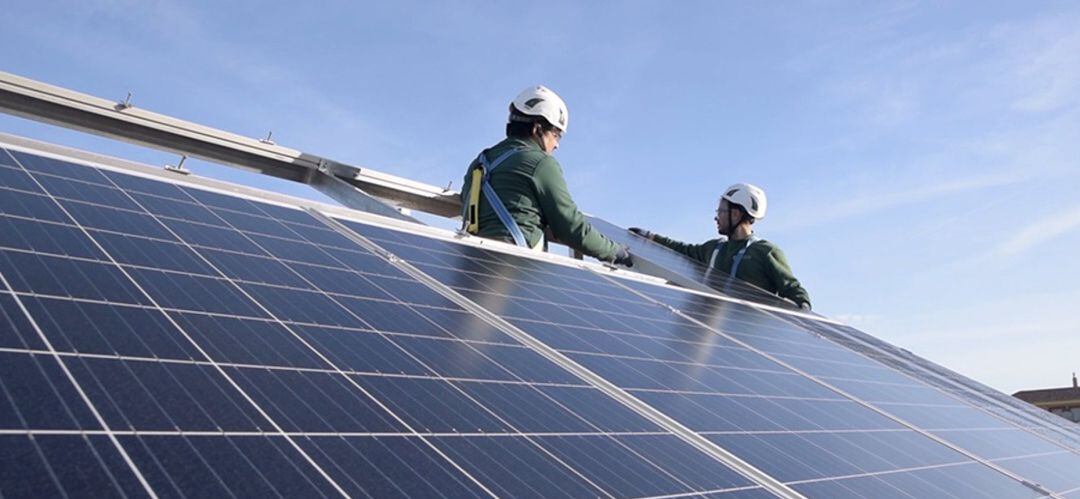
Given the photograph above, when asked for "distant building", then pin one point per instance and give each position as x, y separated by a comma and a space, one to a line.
1064, 402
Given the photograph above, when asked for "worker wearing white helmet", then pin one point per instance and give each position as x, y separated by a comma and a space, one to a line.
515, 191
741, 253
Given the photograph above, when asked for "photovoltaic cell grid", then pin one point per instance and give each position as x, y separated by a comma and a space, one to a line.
799, 431
191, 343
301, 351
976, 426
1001, 405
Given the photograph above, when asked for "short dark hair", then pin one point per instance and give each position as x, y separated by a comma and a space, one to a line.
521, 124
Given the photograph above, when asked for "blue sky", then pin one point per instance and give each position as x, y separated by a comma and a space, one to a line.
922, 159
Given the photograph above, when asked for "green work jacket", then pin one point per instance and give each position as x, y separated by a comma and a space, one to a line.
531, 186
763, 265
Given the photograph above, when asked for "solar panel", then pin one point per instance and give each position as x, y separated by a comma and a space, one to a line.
166, 337
190, 332
715, 380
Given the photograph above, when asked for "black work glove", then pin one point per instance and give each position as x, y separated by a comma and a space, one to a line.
642, 232
622, 257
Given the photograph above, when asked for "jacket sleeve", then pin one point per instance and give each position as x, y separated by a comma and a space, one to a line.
562, 216
784, 280
700, 252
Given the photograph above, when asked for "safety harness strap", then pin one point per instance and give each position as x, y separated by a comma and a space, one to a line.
481, 178
740, 254
734, 265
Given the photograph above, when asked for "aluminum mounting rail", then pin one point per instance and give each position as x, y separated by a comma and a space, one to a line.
352, 186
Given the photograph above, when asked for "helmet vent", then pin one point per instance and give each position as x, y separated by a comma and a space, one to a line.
531, 103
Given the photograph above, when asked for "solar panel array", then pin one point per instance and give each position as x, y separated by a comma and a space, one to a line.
161, 338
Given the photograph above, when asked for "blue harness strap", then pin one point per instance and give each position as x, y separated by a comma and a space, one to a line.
740, 254
493, 198
734, 264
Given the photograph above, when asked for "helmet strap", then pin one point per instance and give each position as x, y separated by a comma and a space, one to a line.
733, 225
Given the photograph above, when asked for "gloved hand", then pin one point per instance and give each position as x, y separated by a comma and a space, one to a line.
622, 257
642, 232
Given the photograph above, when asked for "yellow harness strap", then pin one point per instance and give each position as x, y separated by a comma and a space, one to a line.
472, 209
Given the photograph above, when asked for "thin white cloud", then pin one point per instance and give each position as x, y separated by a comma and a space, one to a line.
871, 202
1040, 232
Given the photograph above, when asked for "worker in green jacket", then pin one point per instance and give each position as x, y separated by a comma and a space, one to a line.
515, 189
742, 254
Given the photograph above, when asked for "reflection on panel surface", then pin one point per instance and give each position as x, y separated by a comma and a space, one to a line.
747, 379
208, 345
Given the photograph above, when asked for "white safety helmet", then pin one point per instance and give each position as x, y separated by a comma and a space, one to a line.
750, 197
541, 101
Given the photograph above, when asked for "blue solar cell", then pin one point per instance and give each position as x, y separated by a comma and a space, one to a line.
285, 214
622, 472
122, 221
453, 359
513, 467
313, 401
388, 467
463, 325
1055, 471
527, 409
152, 395
29, 205
410, 291
205, 466
857, 453
177, 208
330, 239
247, 341
16, 178
35, 273
86, 192
134, 184
142, 252
393, 317
962, 480
337, 281
432, 405
308, 307
15, 330
32, 235
64, 465
254, 224
108, 329
189, 292
742, 493
360, 351
212, 237
243, 267
527, 364
287, 249
670, 453
216, 200
599, 409
37, 395
42, 164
